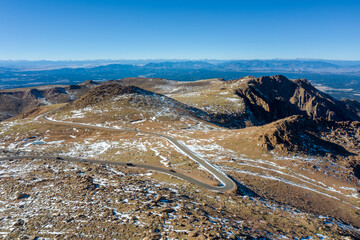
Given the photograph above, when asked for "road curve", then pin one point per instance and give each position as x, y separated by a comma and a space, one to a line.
123, 164
227, 184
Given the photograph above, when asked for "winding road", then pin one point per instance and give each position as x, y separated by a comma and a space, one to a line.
226, 183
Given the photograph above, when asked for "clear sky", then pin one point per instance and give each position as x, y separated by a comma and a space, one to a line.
183, 29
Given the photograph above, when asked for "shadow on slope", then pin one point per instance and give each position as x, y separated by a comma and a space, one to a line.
299, 134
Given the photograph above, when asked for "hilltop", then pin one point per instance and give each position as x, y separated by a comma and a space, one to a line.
130, 104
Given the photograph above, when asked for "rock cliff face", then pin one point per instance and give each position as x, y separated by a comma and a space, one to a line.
276, 97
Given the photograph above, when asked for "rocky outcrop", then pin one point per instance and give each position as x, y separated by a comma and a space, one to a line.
352, 105
302, 135
88, 82
276, 97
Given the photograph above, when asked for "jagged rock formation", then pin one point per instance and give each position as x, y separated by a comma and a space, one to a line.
276, 97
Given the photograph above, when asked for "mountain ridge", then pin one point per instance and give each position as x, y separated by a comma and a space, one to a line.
260, 100
275, 97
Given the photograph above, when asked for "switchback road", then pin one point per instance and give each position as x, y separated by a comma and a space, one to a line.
226, 183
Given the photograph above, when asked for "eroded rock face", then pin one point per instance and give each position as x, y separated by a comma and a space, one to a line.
305, 135
276, 97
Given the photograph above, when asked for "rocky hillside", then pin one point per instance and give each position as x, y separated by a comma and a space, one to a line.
302, 134
253, 101
276, 97
136, 103
239, 103
15, 101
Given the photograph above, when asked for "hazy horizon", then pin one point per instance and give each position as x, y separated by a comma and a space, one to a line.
185, 59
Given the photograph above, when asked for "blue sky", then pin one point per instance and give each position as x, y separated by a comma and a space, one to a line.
183, 29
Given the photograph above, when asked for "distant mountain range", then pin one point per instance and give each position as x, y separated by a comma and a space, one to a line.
341, 79
272, 64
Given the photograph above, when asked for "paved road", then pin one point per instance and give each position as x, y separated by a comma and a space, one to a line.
227, 184
124, 164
